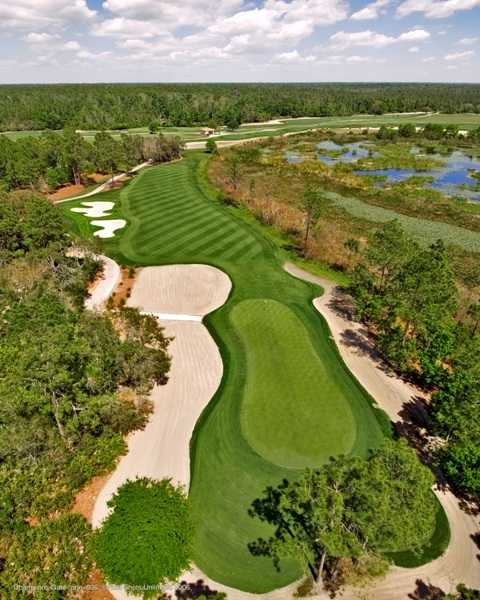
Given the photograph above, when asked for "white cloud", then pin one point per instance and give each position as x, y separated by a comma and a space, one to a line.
126, 28
429, 59
170, 14
357, 59
36, 14
52, 42
343, 40
87, 55
414, 49
373, 39
40, 38
371, 11
72, 45
469, 41
414, 35
460, 55
232, 25
435, 9
293, 56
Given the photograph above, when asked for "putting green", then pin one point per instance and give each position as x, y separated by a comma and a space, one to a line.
282, 376
289, 388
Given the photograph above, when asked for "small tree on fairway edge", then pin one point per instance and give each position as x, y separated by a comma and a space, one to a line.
211, 146
146, 542
349, 508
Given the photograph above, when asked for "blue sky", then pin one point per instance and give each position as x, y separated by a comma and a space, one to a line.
239, 40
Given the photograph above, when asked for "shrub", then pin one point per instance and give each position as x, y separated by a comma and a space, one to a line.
53, 553
147, 540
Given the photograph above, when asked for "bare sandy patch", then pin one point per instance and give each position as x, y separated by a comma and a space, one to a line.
66, 191
87, 496
104, 285
162, 449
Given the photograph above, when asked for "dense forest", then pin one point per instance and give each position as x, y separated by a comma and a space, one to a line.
54, 159
73, 383
117, 106
407, 294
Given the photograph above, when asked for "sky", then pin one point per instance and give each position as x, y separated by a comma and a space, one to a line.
54, 41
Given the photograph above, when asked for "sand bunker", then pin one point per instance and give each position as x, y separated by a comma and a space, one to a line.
94, 209
108, 227
193, 290
162, 449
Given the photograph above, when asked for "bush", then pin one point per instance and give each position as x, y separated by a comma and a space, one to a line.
147, 540
53, 553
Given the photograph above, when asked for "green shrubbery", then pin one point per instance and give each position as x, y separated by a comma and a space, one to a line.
147, 540
349, 508
64, 375
48, 560
409, 295
54, 159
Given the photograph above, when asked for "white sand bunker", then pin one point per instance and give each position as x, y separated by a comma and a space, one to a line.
180, 290
94, 209
108, 227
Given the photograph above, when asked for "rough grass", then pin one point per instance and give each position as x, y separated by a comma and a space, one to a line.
173, 217
424, 231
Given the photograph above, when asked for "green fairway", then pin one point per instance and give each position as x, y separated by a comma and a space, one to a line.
286, 399
189, 134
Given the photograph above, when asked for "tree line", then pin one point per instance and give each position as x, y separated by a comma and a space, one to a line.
71, 388
407, 294
431, 131
53, 159
117, 106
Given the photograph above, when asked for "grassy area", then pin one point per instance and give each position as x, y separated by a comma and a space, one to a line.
424, 231
438, 544
274, 410
291, 390
185, 133
463, 121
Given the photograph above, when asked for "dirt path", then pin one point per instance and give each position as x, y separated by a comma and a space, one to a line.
459, 564
104, 186
105, 285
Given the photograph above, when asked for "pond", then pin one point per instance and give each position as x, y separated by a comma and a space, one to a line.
293, 157
456, 172
345, 153
452, 178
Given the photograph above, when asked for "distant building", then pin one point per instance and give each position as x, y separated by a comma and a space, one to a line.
208, 131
